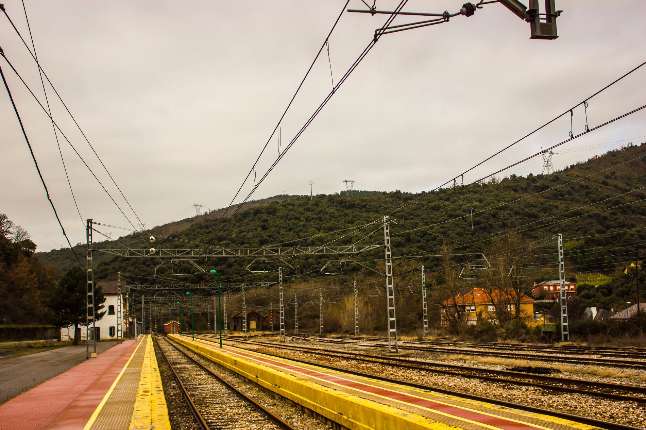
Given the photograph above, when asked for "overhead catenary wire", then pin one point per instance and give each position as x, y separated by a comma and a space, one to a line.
72, 116
525, 159
289, 104
320, 107
35, 97
33, 157
529, 134
515, 201
49, 110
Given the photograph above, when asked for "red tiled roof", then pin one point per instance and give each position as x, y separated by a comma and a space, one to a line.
479, 296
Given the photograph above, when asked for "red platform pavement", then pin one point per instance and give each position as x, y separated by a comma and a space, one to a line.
67, 400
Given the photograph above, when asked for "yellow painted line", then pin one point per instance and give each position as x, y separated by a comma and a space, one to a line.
346, 409
150, 410
435, 397
105, 398
391, 386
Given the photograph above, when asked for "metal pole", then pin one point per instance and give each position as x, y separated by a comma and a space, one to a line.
295, 315
119, 315
192, 317
90, 314
271, 315
424, 305
244, 311
320, 312
221, 323
565, 332
215, 317
225, 320
639, 321
143, 319
281, 303
390, 289
356, 307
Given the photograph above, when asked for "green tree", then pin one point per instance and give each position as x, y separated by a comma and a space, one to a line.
68, 302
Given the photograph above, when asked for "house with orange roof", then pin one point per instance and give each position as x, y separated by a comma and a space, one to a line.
479, 304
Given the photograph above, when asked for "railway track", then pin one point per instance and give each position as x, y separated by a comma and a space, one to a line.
215, 403
605, 390
611, 356
589, 361
582, 419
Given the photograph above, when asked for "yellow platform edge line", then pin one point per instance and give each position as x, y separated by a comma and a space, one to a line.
150, 409
345, 409
437, 397
99, 408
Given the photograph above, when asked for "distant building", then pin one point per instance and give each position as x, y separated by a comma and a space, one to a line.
548, 291
106, 327
629, 313
476, 305
255, 321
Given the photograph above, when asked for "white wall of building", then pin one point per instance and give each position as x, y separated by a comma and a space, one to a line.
107, 324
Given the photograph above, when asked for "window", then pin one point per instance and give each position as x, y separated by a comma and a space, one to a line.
112, 331
491, 308
111, 310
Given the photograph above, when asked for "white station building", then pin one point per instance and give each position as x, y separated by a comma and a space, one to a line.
106, 327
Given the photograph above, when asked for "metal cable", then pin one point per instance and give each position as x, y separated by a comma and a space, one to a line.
298, 88
49, 110
536, 130
345, 76
33, 157
60, 98
65, 136
512, 202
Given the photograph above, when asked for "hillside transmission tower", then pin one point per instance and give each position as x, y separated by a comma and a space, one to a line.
547, 162
349, 184
198, 208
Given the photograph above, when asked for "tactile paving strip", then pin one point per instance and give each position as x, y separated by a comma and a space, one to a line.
117, 411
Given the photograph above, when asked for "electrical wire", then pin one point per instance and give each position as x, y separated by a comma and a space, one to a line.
60, 98
298, 88
33, 157
316, 112
49, 110
534, 131
525, 160
2, 54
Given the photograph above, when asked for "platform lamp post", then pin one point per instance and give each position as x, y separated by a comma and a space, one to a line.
220, 317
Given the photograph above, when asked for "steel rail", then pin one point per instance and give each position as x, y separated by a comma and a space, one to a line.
577, 418
505, 376
196, 413
270, 414
606, 362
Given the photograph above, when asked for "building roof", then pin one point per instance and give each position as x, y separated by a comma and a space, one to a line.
479, 296
109, 287
554, 282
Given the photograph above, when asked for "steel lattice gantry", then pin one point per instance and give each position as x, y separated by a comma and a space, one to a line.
222, 252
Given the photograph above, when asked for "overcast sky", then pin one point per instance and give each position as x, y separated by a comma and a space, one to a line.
179, 97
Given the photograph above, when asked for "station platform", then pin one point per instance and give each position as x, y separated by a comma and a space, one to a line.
363, 403
120, 389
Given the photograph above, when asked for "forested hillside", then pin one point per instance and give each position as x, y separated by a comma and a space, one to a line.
597, 205
507, 225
